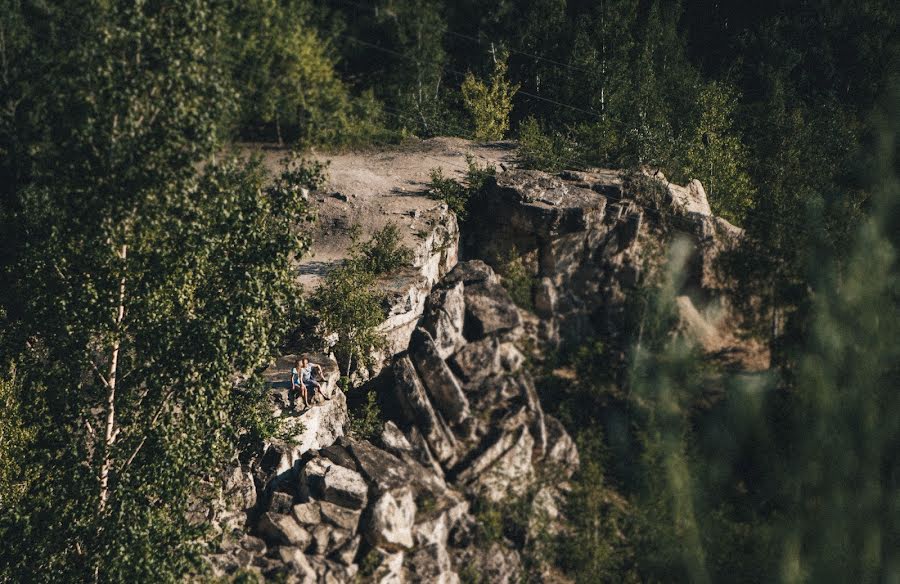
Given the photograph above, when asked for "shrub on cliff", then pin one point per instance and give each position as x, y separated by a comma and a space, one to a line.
383, 253
548, 151
490, 103
458, 194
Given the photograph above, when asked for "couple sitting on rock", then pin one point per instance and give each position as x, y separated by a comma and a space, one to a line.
303, 378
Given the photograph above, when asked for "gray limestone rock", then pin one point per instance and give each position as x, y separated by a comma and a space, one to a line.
390, 521
489, 310
439, 381
477, 360
283, 529
312, 478
308, 514
344, 487
346, 554
281, 503
300, 568
418, 410
445, 312
338, 516
561, 453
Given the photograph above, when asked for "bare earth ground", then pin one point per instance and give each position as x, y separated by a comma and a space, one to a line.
373, 188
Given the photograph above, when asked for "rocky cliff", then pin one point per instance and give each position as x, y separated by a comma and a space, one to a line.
467, 431
326, 507
589, 239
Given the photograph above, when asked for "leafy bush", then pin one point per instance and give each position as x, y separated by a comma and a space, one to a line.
490, 104
349, 306
366, 420
541, 151
517, 280
448, 190
477, 176
15, 438
646, 190
458, 194
383, 253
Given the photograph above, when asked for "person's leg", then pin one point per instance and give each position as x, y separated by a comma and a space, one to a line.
292, 396
319, 387
314, 387
305, 398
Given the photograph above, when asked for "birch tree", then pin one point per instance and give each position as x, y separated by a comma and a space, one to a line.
152, 279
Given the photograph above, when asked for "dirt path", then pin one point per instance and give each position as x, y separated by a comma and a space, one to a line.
374, 188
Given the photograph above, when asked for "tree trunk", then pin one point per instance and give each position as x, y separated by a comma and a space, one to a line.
111, 430
278, 129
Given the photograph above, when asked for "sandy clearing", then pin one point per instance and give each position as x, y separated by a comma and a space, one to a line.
375, 187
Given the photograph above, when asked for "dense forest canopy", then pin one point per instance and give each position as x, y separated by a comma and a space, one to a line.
130, 242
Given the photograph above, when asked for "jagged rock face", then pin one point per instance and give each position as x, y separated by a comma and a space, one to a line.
588, 242
477, 409
471, 429
407, 291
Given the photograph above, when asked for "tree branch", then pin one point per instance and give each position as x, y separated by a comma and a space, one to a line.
111, 430
153, 421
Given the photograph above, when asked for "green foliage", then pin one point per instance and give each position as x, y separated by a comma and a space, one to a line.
648, 191
15, 440
348, 304
716, 155
596, 549
251, 415
383, 253
156, 277
491, 523
285, 75
369, 564
490, 104
448, 190
542, 151
517, 279
366, 421
767, 485
469, 574
410, 68
458, 194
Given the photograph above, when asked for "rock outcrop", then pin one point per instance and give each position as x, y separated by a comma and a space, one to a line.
467, 429
470, 432
589, 238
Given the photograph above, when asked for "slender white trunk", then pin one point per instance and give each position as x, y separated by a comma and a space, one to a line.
111, 430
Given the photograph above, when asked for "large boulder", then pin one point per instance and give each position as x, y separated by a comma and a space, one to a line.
344, 487
489, 310
283, 530
446, 308
308, 514
342, 517
391, 519
417, 410
477, 360
505, 469
442, 385
561, 454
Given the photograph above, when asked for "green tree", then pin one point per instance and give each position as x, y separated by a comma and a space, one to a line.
349, 306
490, 103
284, 72
383, 253
15, 441
716, 155
155, 278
